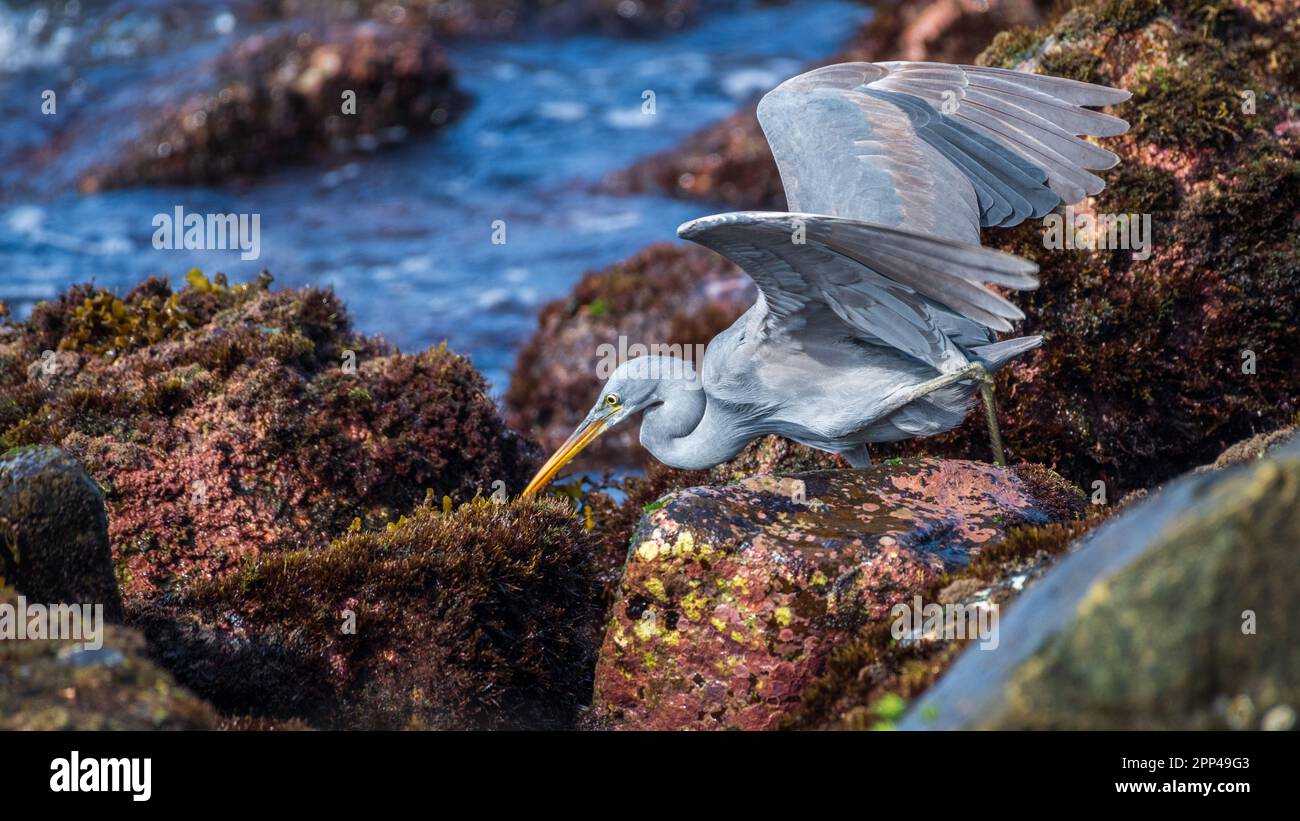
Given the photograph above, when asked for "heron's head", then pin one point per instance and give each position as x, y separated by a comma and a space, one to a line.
633, 387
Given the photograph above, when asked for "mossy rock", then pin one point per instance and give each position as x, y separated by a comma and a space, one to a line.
225, 420
60, 685
1178, 614
485, 616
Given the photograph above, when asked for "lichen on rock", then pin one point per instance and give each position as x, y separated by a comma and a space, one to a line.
734, 596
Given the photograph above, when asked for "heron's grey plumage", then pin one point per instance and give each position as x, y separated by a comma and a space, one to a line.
873, 316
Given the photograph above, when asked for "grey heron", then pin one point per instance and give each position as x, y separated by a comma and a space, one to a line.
873, 320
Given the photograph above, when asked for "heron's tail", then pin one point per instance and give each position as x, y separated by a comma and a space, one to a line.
1000, 353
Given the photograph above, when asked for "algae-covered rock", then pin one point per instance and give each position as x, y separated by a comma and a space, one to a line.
283, 98
227, 421
1256, 447
734, 596
62, 685
1177, 614
1152, 366
485, 616
53, 531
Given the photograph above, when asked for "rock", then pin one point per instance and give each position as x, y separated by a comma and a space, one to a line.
53, 685
484, 617
615, 514
1177, 614
666, 295
228, 421
53, 531
734, 596
279, 100
1256, 447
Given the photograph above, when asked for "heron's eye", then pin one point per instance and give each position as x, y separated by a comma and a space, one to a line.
611, 399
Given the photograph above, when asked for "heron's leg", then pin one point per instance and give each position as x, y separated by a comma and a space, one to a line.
991, 411
979, 373
858, 457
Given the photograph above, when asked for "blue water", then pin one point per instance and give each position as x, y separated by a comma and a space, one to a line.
405, 234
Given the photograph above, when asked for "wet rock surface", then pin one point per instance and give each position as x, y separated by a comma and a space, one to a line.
54, 532
733, 597
1177, 614
279, 99
61, 685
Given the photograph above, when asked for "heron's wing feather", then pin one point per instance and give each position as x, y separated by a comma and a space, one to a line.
884, 284
1039, 118
936, 148
847, 152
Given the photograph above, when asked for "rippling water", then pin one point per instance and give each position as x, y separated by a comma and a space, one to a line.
404, 235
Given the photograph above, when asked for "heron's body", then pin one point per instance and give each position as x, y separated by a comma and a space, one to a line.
873, 321
836, 393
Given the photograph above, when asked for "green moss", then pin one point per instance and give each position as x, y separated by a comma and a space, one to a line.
1133, 188
597, 308
1075, 63
484, 617
101, 323
1010, 48
1194, 100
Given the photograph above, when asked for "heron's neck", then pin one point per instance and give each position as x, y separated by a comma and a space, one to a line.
681, 432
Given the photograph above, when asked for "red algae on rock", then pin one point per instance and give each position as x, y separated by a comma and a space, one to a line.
283, 98
734, 596
486, 616
257, 423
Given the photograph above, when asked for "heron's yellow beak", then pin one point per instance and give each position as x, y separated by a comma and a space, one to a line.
583, 436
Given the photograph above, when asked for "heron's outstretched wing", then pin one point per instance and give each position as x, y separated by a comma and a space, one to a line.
885, 284
936, 148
